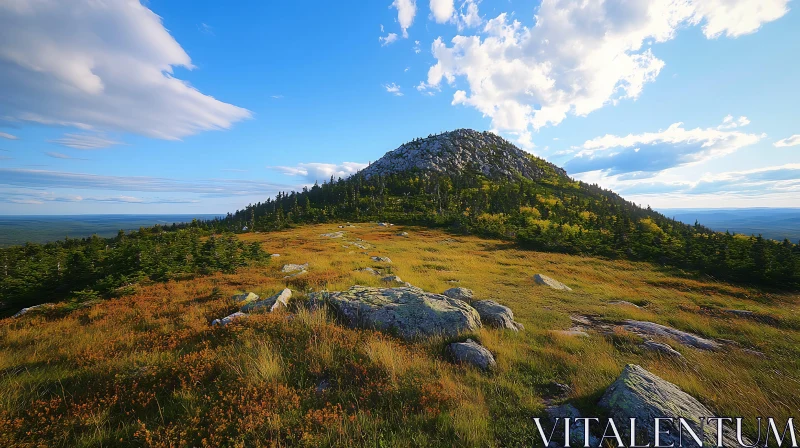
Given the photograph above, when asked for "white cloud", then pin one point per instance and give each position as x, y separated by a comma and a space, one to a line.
442, 10
577, 57
416, 47
101, 65
58, 155
406, 10
393, 88
85, 141
389, 39
319, 172
8, 136
652, 152
731, 123
469, 17
789, 141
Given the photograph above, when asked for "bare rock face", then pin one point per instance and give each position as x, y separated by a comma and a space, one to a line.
460, 150
495, 315
271, 304
228, 319
654, 329
639, 394
471, 352
547, 281
460, 294
407, 311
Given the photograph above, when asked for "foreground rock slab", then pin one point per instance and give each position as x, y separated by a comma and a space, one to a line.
279, 300
640, 394
654, 329
495, 315
471, 352
547, 281
407, 311
228, 319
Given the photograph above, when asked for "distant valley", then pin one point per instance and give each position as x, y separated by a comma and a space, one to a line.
773, 223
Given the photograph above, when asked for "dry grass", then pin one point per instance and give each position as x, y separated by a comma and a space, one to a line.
149, 370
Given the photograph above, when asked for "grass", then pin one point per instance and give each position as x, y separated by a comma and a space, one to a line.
149, 370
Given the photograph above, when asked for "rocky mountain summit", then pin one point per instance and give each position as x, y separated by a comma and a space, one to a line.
462, 149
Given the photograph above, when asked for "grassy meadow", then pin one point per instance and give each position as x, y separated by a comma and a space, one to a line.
149, 370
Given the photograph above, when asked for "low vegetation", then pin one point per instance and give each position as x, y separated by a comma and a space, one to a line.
147, 368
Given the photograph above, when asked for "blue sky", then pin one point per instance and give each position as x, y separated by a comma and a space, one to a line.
204, 107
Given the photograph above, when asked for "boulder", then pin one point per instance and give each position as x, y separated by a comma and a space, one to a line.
25, 311
547, 281
381, 259
460, 294
403, 234
271, 304
577, 429
408, 312
495, 315
654, 329
242, 299
369, 270
288, 268
472, 353
640, 394
275, 255
228, 319
664, 349
392, 279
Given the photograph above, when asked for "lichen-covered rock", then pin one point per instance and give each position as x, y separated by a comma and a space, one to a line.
654, 329
471, 352
664, 349
25, 311
456, 151
288, 268
242, 299
577, 429
271, 304
382, 259
228, 319
547, 281
460, 294
495, 315
644, 396
407, 311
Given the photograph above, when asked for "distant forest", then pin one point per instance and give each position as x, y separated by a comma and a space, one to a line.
554, 214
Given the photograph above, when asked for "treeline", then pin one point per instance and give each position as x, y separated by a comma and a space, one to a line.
553, 214
83, 269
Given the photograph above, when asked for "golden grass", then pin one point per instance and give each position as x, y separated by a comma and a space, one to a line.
149, 370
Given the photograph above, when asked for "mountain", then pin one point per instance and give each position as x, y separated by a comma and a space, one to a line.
463, 149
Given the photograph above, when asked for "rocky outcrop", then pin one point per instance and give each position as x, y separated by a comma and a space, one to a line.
472, 353
663, 349
577, 429
406, 311
228, 319
242, 299
654, 329
460, 150
25, 311
495, 315
369, 270
547, 281
279, 300
640, 394
339, 234
460, 294
289, 268
381, 259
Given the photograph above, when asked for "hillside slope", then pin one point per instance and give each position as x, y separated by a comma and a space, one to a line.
148, 369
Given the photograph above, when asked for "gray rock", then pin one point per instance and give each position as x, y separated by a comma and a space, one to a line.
275, 255
741, 313
382, 259
460, 294
339, 234
661, 348
654, 329
392, 279
228, 319
369, 270
624, 303
409, 312
25, 311
245, 298
404, 234
472, 353
495, 315
383, 224
577, 429
288, 268
271, 304
639, 394
547, 281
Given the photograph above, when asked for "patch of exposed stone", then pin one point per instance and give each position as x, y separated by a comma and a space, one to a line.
460, 294
496, 316
339, 234
547, 281
228, 319
279, 300
651, 329
42, 306
470, 352
624, 303
381, 259
661, 348
294, 270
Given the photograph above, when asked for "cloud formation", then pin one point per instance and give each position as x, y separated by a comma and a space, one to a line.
442, 10
319, 172
8, 136
116, 73
789, 141
406, 10
58, 155
393, 88
578, 56
85, 141
389, 39
652, 152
